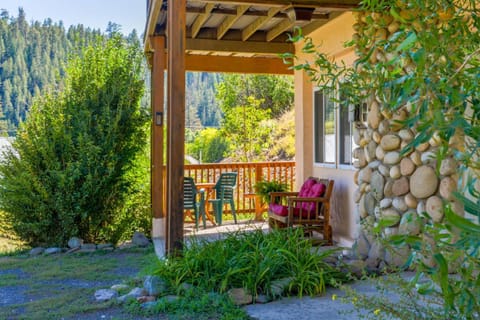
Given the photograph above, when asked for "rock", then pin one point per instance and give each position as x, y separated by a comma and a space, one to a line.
384, 170
362, 162
392, 157
75, 242
365, 174
434, 207
357, 195
139, 239
277, 287
103, 295
355, 177
362, 209
369, 150
395, 172
384, 127
411, 201
119, 287
428, 157
390, 142
421, 208
407, 167
397, 256
387, 191
410, 224
377, 185
377, 137
385, 203
379, 153
435, 140
374, 117
154, 285
361, 247
374, 164
53, 250
399, 204
400, 187
423, 182
149, 305
36, 251
133, 294
376, 253
370, 203
240, 296
357, 267
397, 119
390, 217
447, 186
390, 231
406, 135
423, 147
88, 247
144, 299
262, 299
448, 167
72, 250
105, 246
356, 135
416, 158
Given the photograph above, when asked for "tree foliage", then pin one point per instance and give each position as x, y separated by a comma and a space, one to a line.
68, 172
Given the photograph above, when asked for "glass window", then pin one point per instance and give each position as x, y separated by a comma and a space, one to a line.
324, 127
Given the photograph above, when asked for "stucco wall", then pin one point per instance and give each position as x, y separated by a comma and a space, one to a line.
331, 37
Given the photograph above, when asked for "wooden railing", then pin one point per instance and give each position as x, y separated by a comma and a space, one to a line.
248, 175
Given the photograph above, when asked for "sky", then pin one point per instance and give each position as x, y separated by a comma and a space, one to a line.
130, 14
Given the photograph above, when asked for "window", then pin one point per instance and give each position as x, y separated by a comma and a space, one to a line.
324, 128
334, 125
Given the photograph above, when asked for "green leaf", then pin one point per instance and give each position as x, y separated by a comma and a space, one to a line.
460, 222
408, 43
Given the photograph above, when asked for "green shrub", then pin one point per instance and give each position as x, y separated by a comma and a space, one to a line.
68, 173
263, 188
253, 260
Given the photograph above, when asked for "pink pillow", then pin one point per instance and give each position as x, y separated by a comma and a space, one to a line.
307, 185
278, 209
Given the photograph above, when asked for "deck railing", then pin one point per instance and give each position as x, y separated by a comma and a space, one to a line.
248, 175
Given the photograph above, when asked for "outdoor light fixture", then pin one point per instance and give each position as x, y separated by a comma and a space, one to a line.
159, 118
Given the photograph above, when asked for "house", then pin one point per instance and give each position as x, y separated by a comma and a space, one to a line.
359, 149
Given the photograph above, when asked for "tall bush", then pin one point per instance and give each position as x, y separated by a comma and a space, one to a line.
67, 174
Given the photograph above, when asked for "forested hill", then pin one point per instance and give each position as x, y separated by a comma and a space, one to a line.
33, 56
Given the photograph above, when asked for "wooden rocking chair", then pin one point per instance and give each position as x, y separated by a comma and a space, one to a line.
309, 208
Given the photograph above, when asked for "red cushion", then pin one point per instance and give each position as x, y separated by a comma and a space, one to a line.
304, 190
278, 209
316, 190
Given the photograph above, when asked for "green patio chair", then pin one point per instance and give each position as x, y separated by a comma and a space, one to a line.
194, 200
224, 194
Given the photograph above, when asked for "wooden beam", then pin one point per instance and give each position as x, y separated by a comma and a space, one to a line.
176, 31
156, 157
279, 29
258, 23
201, 19
327, 4
229, 21
239, 46
154, 10
255, 65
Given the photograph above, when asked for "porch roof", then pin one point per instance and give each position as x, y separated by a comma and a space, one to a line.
223, 33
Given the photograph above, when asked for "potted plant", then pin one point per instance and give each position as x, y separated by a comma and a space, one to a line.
263, 188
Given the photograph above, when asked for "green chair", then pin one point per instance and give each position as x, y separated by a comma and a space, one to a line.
194, 200
224, 194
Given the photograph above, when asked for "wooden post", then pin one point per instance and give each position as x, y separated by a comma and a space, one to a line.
157, 128
176, 38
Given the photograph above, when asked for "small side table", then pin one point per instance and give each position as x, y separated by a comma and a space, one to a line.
259, 205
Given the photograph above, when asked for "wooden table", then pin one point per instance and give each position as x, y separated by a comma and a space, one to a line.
209, 190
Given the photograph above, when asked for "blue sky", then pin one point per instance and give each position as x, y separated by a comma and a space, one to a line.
130, 14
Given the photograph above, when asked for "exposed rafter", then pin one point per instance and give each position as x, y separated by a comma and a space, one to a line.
263, 48
279, 29
330, 4
258, 23
229, 21
201, 19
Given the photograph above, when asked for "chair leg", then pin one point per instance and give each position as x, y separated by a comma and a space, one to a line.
232, 206
218, 210
195, 211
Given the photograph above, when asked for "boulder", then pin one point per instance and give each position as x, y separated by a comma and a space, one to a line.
53, 250
384, 170
74, 242
240, 296
392, 157
410, 224
384, 127
365, 175
400, 187
428, 157
139, 239
103, 295
385, 203
369, 151
390, 217
399, 204
154, 285
374, 116
411, 201
416, 158
377, 185
379, 153
390, 142
423, 182
370, 203
434, 207
448, 167
397, 256
407, 167
36, 251
395, 172
387, 191
447, 186
406, 135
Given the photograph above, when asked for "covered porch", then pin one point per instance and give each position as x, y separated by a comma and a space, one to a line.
240, 36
